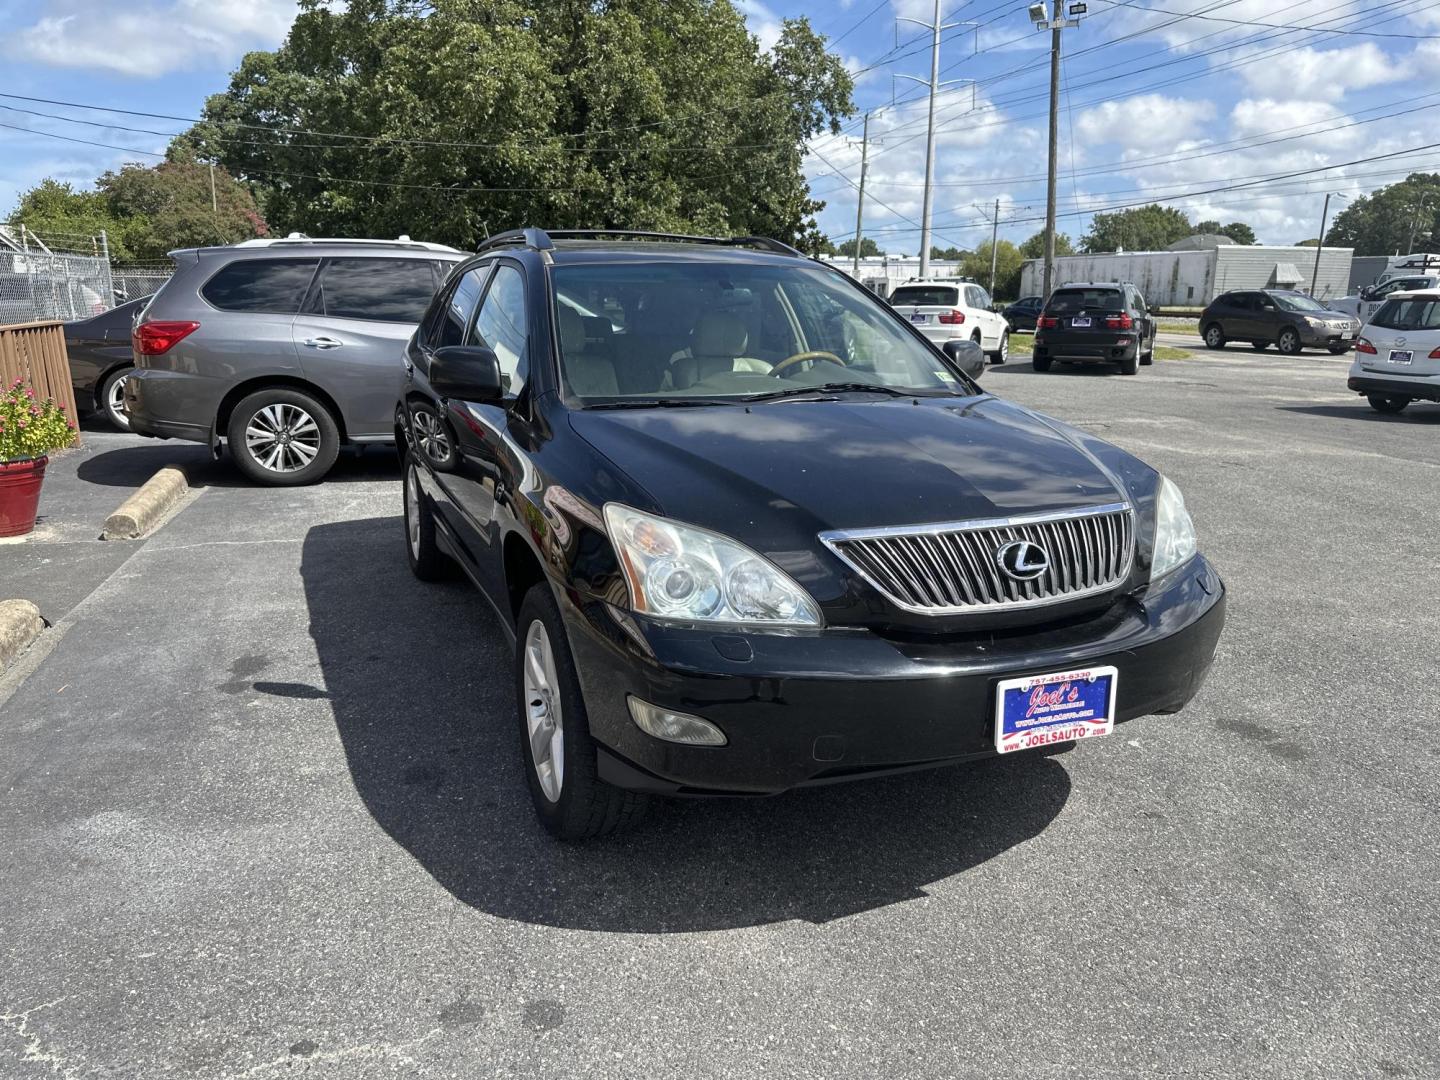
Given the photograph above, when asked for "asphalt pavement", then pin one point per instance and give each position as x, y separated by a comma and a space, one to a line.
262, 814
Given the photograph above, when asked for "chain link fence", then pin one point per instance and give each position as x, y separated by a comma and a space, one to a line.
66, 278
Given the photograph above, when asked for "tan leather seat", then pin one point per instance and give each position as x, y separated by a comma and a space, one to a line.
590, 375
718, 339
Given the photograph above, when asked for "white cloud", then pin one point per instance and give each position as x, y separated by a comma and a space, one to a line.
1325, 74
1134, 123
149, 40
761, 21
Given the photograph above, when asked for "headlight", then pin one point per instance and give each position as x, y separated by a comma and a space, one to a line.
1174, 531
1317, 324
686, 574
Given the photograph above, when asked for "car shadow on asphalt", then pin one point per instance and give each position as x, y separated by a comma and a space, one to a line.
1413, 414
131, 466
419, 680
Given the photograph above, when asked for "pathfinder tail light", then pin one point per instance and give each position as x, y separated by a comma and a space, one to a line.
952, 318
1363, 346
155, 338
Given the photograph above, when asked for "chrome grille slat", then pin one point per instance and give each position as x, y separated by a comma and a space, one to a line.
952, 568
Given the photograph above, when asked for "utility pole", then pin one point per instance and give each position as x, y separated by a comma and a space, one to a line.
214, 204
994, 234
936, 27
860, 203
1040, 16
1320, 243
1414, 221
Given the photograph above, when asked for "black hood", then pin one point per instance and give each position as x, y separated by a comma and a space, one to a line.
775, 475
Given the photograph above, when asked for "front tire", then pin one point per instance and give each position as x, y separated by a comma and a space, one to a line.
112, 397
1040, 363
558, 751
422, 550
1289, 341
1385, 403
1003, 352
1214, 336
283, 437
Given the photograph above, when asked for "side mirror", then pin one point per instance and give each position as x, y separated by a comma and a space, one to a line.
1366, 293
967, 356
467, 372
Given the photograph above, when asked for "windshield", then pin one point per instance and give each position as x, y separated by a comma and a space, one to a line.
1421, 313
1294, 301
1063, 301
926, 296
677, 332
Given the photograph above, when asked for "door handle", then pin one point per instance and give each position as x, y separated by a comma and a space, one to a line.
323, 343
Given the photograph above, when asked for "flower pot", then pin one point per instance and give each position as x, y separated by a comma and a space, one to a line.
20, 494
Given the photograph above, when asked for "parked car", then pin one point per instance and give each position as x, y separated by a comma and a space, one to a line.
1095, 323
1397, 358
768, 534
1290, 319
1022, 314
281, 349
101, 360
38, 297
946, 310
1369, 301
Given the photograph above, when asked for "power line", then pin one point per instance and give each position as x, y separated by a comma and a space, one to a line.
1270, 25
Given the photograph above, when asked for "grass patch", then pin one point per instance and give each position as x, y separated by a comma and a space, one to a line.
1178, 326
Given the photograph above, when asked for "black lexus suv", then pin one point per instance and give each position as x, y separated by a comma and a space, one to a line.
1104, 323
749, 530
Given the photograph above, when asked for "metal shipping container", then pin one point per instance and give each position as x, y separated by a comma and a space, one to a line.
1194, 278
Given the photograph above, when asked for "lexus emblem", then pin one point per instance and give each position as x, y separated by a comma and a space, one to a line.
1022, 560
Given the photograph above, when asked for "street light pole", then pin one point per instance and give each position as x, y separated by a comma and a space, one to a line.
1040, 15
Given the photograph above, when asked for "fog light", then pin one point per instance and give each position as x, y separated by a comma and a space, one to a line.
674, 727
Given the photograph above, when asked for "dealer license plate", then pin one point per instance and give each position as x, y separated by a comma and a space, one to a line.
919, 318
1039, 710
1081, 323
1401, 356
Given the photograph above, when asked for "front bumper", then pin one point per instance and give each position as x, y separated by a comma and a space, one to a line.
1325, 337
844, 703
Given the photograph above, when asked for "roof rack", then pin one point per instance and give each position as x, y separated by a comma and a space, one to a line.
541, 240
297, 239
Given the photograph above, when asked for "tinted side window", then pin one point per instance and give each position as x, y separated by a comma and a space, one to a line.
386, 290
277, 286
456, 315
501, 325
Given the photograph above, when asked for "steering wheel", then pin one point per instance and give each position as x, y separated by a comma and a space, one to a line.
814, 354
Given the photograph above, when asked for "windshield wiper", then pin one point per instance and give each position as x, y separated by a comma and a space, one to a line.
658, 403
835, 388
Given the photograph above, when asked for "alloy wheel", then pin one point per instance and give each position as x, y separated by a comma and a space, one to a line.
115, 402
431, 435
282, 438
544, 721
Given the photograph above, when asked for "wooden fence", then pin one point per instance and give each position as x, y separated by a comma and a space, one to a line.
35, 352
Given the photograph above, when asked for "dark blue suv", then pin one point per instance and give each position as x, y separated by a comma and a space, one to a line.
748, 529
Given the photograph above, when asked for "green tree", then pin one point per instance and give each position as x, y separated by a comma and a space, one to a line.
1236, 230
1034, 247
949, 254
1383, 222
466, 116
1142, 228
145, 211
170, 206
1008, 262
868, 249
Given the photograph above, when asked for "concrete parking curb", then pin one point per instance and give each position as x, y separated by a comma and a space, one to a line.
143, 510
20, 624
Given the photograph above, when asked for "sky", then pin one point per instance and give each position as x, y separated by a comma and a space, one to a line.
1162, 100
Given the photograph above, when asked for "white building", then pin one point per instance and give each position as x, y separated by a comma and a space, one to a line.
881, 273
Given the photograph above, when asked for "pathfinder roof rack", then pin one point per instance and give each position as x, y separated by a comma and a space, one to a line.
541, 240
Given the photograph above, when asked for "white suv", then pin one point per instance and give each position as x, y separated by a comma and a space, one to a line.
950, 310
1397, 356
